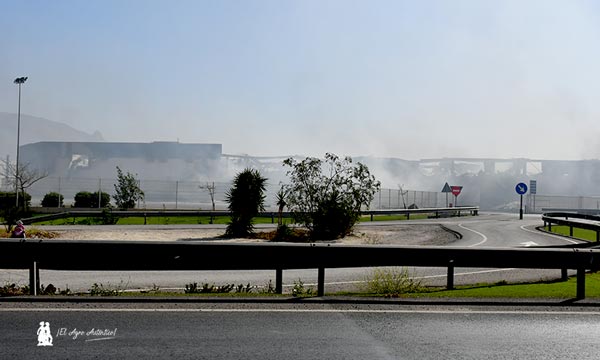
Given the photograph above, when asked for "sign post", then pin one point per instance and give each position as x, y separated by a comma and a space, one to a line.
533, 191
456, 191
446, 190
521, 189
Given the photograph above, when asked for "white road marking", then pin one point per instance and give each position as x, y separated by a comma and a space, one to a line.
360, 281
529, 243
345, 311
476, 232
415, 277
550, 235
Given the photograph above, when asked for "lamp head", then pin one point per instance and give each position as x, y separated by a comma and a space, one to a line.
20, 80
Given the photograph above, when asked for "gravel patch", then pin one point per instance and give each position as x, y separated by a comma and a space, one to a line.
403, 234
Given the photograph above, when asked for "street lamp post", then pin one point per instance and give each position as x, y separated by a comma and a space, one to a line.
19, 81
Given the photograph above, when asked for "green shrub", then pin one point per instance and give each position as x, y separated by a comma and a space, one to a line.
299, 290
52, 199
8, 200
244, 289
268, 288
326, 196
108, 218
391, 282
86, 199
83, 199
108, 290
246, 199
283, 233
14, 290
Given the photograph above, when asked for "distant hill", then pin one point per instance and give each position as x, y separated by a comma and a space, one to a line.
34, 129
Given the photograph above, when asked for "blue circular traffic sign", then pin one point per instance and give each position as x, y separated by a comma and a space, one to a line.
521, 188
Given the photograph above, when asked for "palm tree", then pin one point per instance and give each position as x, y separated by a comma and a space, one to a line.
246, 199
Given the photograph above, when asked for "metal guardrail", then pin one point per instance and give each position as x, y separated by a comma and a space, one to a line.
571, 210
592, 222
153, 255
473, 210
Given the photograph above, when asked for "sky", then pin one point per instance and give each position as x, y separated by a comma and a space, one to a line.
405, 79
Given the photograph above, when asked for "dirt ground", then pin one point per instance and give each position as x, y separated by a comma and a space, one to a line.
383, 235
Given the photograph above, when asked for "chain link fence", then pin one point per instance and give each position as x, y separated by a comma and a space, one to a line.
160, 194
541, 203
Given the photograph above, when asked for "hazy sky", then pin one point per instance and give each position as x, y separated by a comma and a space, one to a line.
408, 79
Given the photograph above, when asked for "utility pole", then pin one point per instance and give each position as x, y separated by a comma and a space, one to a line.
19, 81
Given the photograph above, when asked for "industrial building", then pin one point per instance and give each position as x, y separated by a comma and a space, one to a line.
155, 160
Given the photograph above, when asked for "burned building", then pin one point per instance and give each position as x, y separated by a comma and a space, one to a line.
155, 160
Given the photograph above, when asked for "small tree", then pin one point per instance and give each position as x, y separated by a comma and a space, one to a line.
327, 195
210, 188
127, 190
9, 213
280, 202
24, 178
52, 199
246, 199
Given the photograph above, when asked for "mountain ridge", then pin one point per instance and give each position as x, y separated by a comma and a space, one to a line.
35, 129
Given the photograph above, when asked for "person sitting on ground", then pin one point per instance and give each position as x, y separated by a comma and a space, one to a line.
19, 230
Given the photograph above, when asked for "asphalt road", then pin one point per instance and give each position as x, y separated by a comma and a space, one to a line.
486, 230
317, 331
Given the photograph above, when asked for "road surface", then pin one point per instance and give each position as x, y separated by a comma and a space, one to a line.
301, 331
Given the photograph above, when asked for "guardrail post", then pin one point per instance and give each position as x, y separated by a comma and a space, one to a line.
450, 279
571, 231
321, 282
564, 275
597, 235
549, 226
34, 279
580, 283
371, 216
279, 281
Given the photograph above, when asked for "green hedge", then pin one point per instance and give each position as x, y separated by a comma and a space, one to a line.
86, 199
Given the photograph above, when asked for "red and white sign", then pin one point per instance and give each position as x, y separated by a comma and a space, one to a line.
456, 190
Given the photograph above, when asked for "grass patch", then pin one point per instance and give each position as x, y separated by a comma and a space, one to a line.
191, 220
399, 217
157, 220
367, 218
537, 290
392, 283
582, 234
